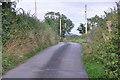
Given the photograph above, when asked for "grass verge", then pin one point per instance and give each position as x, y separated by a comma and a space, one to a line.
100, 53
10, 61
93, 68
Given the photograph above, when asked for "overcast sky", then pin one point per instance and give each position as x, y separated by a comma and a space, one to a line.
73, 9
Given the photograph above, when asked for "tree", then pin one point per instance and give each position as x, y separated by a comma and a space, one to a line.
81, 28
9, 18
53, 18
95, 21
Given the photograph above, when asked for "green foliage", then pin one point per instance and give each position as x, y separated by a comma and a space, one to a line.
53, 18
23, 35
81, 28
100, 57
18, 21
95, 21
8, 18
102, 48
106, 51
93, 68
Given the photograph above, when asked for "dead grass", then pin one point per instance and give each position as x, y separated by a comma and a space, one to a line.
23, 46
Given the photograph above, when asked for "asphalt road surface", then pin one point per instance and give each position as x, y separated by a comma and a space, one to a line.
59, 61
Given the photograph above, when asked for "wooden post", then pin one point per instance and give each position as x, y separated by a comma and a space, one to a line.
60, 28
109, 23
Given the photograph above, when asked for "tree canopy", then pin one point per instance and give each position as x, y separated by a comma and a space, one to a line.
81, 28
53, 18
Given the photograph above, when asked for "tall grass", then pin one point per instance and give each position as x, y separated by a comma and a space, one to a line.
23, 36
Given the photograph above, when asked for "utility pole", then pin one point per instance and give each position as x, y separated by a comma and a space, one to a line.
60, 28
35, 9
65, 25
85, 18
